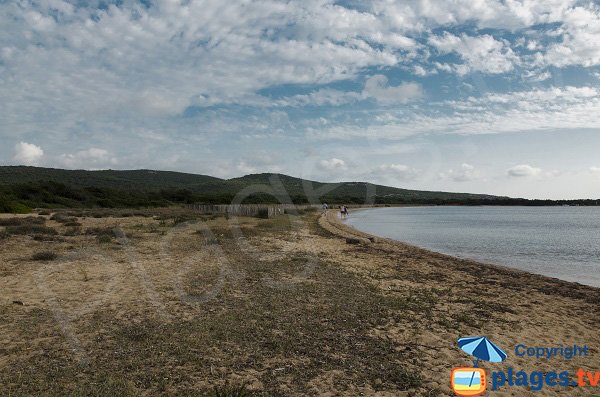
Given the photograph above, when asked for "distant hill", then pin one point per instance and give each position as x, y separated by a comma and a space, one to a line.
298, 186
134, 179
29, 187
150, 180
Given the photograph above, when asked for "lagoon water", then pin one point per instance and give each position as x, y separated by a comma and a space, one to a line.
561, 242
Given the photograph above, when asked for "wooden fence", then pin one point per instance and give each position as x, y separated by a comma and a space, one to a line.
249, 209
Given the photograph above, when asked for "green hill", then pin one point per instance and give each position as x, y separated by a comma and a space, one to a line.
23, 187
135, 179
361, 190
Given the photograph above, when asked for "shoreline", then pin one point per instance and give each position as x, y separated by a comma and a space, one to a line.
332, 223
509, 306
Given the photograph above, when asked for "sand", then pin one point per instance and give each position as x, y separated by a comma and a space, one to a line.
280, 307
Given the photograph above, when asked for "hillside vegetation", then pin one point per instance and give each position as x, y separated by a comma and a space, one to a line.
23, 188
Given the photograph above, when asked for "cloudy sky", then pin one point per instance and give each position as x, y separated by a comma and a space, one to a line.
487, 96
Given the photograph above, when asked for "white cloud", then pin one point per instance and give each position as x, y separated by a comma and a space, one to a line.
93, 158
539, 109
554, 173
245, 168
157, 103
39, 22
537, 76
325, 96
259, 162
377, 87
467, 172
595, 170
163, 58
420, 70
481, 53
523, 170
533, 45
510, 15
394, 172
333, 164
27, 153
159, 60
580, 38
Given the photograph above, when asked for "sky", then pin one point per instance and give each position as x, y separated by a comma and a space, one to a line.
482, 96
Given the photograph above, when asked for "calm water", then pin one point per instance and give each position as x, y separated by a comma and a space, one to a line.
561, 242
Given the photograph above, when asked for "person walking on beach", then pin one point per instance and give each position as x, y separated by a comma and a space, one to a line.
343, 211
325, 207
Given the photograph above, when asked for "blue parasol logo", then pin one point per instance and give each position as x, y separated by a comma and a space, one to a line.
472, 382
482, 348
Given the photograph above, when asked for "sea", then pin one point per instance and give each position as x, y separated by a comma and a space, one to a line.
560, 242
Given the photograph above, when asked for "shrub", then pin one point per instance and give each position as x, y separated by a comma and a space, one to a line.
104, 238
18, 208
62, 218
299, 211
128, 214
45, 237
72, 224
44, 256
100, 231
119, 233
30, 229
212, 241
44, 212
182, 219
103, 234
263, 213
73, 231
76, 214
30, 220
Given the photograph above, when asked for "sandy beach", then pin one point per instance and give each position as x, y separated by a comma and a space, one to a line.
174, 303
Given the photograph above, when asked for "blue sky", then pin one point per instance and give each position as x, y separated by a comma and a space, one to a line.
485, 96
